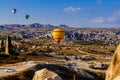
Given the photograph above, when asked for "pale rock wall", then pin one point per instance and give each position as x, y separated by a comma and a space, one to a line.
113, 72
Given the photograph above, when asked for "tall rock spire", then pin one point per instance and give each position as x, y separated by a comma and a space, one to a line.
8, 45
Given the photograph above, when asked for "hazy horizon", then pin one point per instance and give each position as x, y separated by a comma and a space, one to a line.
62, 24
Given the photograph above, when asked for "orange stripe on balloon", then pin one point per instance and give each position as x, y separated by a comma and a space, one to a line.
58, 38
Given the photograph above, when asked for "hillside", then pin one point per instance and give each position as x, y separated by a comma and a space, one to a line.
63, 72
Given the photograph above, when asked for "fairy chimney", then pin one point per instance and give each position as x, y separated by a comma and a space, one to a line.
113, 72
8, 45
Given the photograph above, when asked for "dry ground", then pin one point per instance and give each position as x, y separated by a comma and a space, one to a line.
27, 58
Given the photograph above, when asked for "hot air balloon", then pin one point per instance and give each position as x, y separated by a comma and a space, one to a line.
14, 11
58, 34
26, 16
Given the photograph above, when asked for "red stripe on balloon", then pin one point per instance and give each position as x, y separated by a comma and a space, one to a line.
58, 31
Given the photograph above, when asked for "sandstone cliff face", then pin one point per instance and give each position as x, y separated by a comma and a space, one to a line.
45, 74
113, 72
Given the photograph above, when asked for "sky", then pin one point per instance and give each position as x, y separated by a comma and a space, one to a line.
74, 13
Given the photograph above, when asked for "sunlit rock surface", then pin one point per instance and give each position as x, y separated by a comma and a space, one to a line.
113, 72
45, 74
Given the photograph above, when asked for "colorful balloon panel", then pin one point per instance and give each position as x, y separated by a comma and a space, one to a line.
58, 34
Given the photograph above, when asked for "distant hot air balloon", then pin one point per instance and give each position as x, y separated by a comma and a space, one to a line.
26, 16
14, 11
58, 34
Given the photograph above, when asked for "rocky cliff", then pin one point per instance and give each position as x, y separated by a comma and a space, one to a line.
113, 72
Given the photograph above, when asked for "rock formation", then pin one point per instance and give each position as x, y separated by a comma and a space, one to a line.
2, 44
113, 72
45, 74
8, 45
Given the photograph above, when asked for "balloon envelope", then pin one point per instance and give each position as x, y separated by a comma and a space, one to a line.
26, 16
14, 11
58, 34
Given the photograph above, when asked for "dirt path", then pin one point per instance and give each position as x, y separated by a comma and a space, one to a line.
84, 65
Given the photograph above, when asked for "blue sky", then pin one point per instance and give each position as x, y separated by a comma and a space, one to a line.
74, 13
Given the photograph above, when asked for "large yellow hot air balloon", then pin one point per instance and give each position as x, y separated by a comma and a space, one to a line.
58, 34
